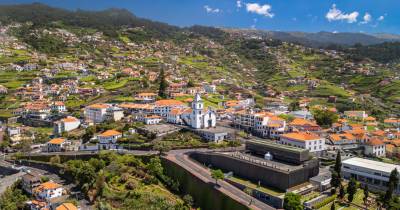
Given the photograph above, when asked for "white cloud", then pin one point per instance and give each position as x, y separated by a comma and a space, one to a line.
381, 18
335, 14
211, 10
239, 4
335, 32
256, 8
367, 18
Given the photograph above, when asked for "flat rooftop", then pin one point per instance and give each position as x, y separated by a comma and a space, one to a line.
371, 164
277, 145
262, 162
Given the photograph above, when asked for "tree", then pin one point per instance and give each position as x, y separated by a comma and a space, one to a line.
89, 132
333, 206
155, 167
325, 118
366, 194
162, 147
351, 189
163, 84
188, 199
336, 174
392, 185
342, 193
292, 201
217, 175
294, 106
55, 160
249, 191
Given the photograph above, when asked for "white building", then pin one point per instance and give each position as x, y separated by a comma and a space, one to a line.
114, 113
210, 88
163, 107
305, 140
108, 139
375, 174
96, 113
65, 125
375, 147
56, 145
48, 190
58, 106
200, 118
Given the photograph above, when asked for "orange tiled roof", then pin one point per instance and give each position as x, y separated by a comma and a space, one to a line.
301, 136
370, 118
153, 117
70, 119
391, 120
344, 136
136, 106
48, 186
59, 103
169, 102
146, 94
378, 133
110, 133
375, 142
67, 206
57, 141
98, 106
302, 122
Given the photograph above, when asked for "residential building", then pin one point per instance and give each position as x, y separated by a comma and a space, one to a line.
108, 139
163, 107
96, 113
30, 181
56, 145
301, 124
48, 190
305, 140
375, 147
58, 106
149, 119
67, 206
303, 114
65, 125
146, 97
114, 114
358, 115
342, 141
373, 173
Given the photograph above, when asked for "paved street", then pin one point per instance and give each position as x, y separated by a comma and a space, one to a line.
179, 157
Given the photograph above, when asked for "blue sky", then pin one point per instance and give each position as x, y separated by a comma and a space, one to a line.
369, 16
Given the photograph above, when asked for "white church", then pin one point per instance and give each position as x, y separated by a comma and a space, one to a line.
196, 117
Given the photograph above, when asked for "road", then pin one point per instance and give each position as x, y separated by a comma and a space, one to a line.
121, 151
181, 158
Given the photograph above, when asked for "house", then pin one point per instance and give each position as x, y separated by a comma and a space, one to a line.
149, 119
38, 205
56, 145
163, 107
375, 147
30, 181
305, 140
342, 141
137, 108
357, 115
65, 125
176, 115
108, 139
209, 88
67, 206
301, 124
58, 106
146, 97
114, 114
48, 190
303, 114
394, 122
96, 113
